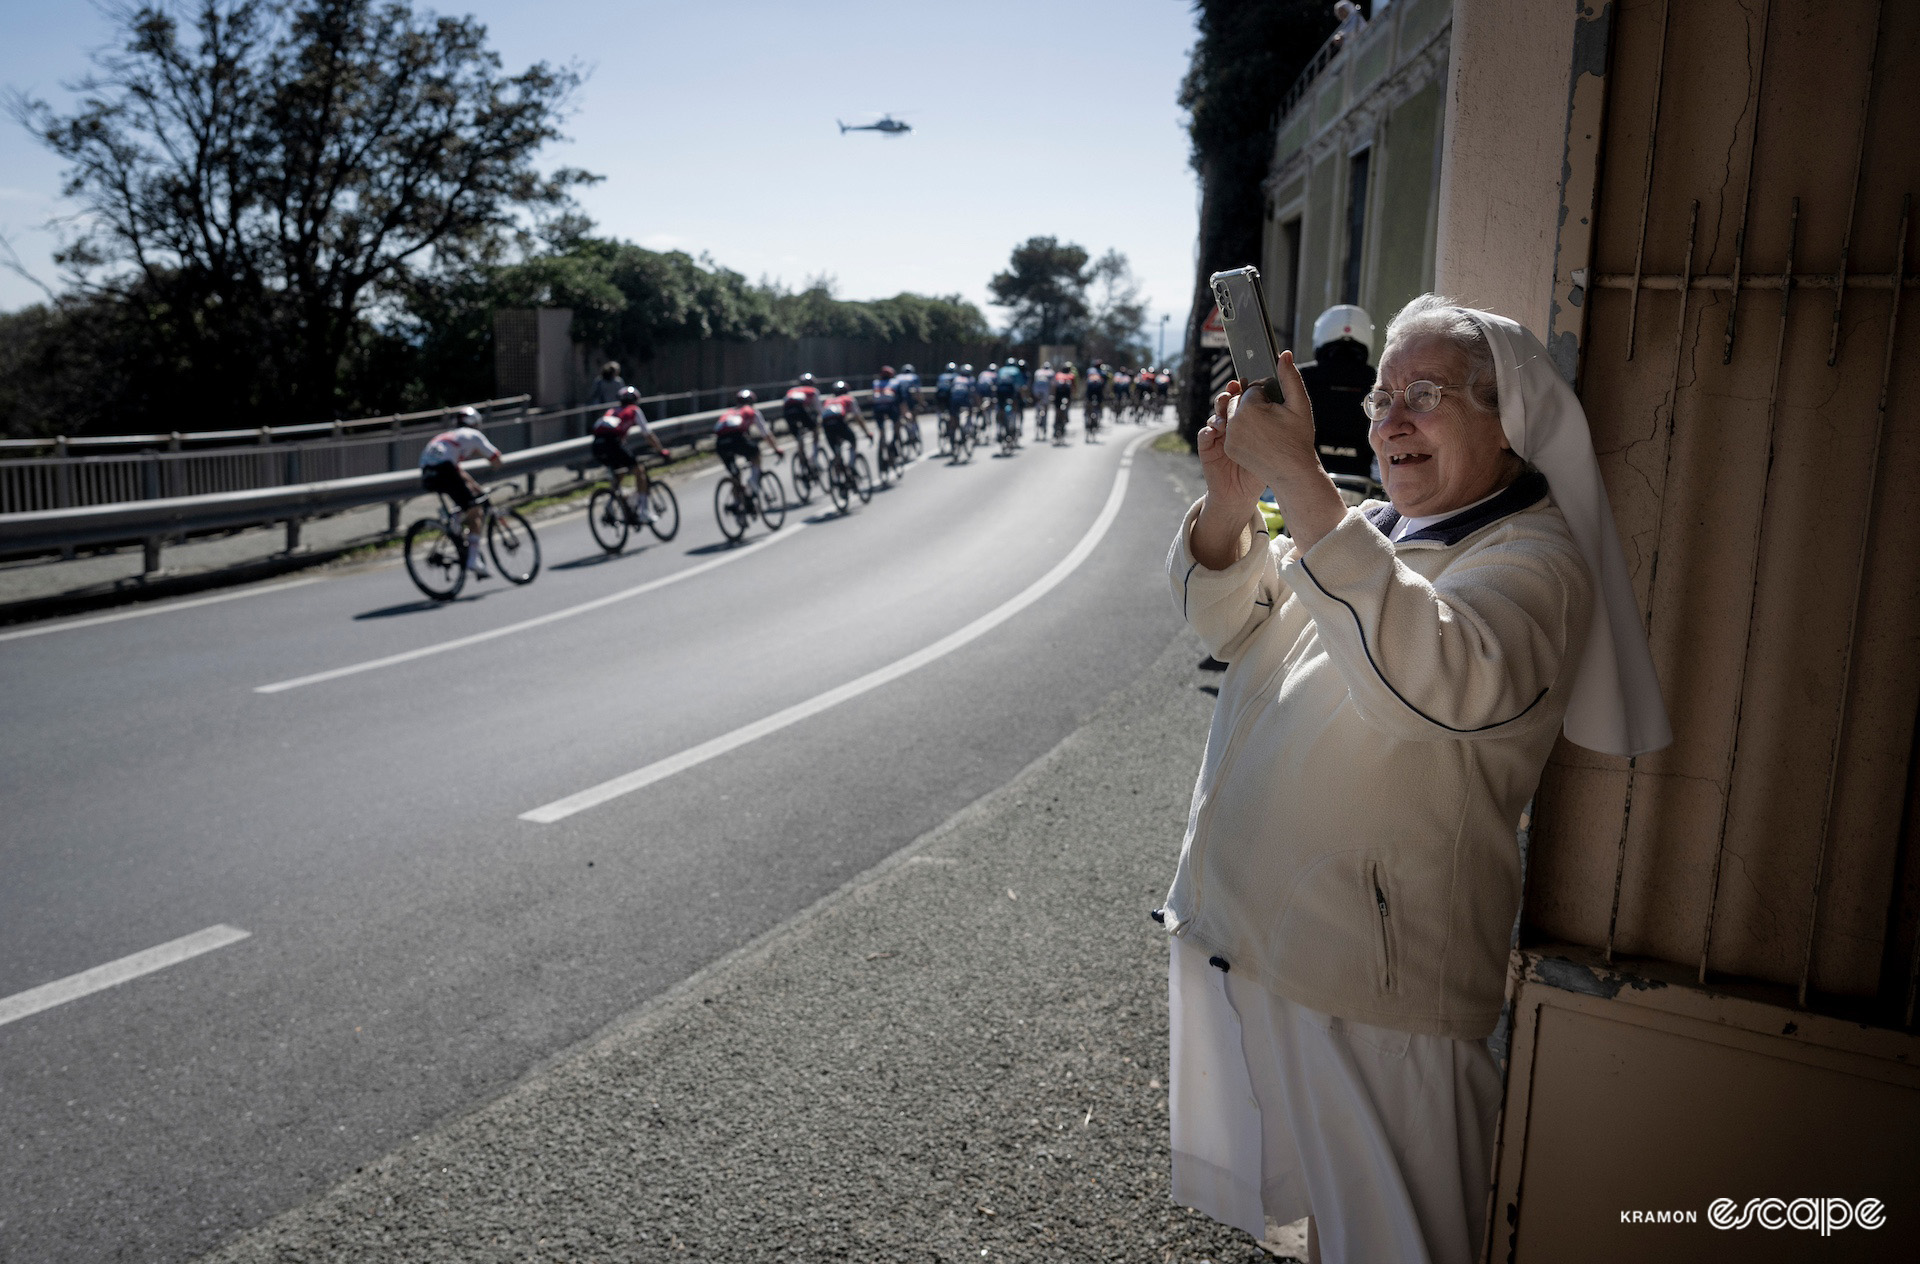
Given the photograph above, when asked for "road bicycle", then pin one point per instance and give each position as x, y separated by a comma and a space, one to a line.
612, 517
956, 436
847, 478
1061, 403
806, 472
1008, 423
436, 548
1092, 411
736, 503
889, 452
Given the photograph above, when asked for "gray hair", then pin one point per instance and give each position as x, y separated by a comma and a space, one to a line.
1437, 316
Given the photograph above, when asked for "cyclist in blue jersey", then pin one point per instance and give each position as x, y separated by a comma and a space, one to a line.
1006, 392
907, 383
959, 399
943, 388
886, 404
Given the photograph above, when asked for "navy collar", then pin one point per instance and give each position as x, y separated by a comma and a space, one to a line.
1522, 493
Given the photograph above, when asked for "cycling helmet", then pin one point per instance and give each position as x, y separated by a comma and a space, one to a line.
1046, 364
886, 370
628, 395
840, 387
806, 379
746, 396
951, 366
966, 368
906, 368
465, 415
994, 367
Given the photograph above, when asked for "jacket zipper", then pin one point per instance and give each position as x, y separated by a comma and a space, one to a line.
1386, 940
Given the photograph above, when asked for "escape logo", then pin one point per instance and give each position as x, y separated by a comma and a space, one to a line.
1824, 1214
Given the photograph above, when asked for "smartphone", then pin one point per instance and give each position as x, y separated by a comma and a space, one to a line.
1243, 311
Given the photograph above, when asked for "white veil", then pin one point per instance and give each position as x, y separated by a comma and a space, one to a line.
1616, 707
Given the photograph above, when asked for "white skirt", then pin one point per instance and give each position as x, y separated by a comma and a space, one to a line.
1279, 1111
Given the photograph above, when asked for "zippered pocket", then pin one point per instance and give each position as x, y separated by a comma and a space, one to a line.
1383, 936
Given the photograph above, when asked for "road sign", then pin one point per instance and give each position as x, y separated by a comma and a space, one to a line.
1213, 333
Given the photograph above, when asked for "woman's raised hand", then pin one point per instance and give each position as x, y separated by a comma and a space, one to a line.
1231, 487
1274, 442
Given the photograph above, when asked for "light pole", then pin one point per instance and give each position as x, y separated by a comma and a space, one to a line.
1163, 338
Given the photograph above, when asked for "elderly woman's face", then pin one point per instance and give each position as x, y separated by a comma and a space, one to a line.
1437, 462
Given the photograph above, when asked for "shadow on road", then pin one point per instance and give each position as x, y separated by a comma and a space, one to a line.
415, 607
599, 559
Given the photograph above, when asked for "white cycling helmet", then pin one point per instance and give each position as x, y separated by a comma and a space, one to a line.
1344, 321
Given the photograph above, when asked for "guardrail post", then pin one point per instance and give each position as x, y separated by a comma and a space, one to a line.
62, 486
150, 555
150, 475
393, 463
293, 535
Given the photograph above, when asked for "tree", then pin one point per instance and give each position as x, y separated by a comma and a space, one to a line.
1046, 286
1246, 58
256, 184
1113, 327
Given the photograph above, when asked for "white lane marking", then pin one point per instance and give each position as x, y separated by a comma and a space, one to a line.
374, 664
98, 979
593, 796
144, 611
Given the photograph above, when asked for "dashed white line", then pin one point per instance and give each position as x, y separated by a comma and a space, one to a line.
627, 783
162, 608
75, 986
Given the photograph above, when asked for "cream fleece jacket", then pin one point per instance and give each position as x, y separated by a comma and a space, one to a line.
1384, 718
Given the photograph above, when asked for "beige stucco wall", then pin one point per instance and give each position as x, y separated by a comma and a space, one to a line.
1506, 132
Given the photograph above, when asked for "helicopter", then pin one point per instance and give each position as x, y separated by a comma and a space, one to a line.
887, 126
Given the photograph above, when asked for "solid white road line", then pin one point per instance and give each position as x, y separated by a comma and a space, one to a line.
98, 979
144, 611
593, 796
374, 664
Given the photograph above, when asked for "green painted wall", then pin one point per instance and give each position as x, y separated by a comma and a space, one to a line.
1403, 205
1316, 265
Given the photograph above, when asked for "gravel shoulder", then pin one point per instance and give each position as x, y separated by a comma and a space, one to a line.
961, 1055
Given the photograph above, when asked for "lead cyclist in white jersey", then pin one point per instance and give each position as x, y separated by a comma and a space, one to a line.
440, 472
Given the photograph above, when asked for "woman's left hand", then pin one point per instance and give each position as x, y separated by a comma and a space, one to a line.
1274, 441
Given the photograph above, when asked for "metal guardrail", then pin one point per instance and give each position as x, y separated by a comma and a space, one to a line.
283, 456
156, 520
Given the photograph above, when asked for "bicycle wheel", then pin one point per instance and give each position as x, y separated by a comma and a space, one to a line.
804, 477
514, 546
862, 477
666, 511
839, 485
912, 436
732, 508
773, 500
607, 519
434, 560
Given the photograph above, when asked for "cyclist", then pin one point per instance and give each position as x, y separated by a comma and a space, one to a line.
1095, 395
1042, 397
943, 387
1162, 383
737, 434
907, 382
440, 472
1006, 392
1122, 385
959, 399
984, 387
886, 403
836, 412
610, 449
1063, 378
801, 408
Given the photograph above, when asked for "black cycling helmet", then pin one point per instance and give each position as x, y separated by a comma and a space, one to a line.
806, 379
628, 395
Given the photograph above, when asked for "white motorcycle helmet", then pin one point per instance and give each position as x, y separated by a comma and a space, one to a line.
1344, 321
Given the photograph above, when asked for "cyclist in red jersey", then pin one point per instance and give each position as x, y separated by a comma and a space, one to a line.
737, 434
838, 415
610, 449
801, 408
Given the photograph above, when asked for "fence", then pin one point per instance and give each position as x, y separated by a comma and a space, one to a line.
190, 464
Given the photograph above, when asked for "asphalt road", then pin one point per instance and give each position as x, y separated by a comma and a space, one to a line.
415, 947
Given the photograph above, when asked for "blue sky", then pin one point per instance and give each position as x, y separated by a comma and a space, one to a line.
714, 125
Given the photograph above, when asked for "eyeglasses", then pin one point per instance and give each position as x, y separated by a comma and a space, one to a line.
1421, 396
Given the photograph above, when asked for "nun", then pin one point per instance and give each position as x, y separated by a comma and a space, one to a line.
1345, 897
